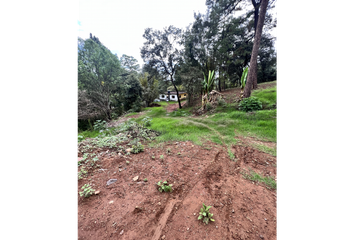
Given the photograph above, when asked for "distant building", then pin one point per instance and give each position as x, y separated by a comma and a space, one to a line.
173, 96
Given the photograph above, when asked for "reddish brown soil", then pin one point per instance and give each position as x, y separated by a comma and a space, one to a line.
173, 107
137, 210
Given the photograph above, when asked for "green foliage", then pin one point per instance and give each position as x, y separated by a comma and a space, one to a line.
244, 77
136, 146
205, 214
208, 106
208, 82
250, 104
231, 154
161, 156
180, 113
221, 102
132, 98
87, 191
255, 177
80, 138
146, 122
99, 125
163, 186
129, 63
267, 96
82, 173
150, 88
99, 77
145, 179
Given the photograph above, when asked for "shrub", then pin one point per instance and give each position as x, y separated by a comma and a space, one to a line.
208, 106
250, 104
221, 102
99, 125
146, 122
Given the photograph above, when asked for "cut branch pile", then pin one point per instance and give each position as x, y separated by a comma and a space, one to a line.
213, 97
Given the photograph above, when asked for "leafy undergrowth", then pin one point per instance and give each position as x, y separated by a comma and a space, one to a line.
256, 177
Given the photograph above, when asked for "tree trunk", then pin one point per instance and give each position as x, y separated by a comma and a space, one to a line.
179, 103
252, 73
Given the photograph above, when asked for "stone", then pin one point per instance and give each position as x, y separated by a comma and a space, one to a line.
163, 237
121, 232
135, 178
128, 149
111, 202
110, 181
97, 192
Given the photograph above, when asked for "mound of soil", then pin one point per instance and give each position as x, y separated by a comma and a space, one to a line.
154, 105
129, 209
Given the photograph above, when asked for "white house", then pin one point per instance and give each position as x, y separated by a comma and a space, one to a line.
173, 96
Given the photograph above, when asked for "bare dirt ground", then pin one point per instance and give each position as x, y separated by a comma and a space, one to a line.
129, 209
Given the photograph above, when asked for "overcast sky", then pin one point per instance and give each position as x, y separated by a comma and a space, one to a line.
120, 25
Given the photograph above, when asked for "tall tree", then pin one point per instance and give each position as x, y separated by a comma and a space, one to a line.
129, 63
161, 51
150, 88
252, 73
98, 74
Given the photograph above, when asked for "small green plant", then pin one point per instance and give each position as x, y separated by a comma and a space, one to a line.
145, 179
153, 157
80, 138
87, 191
161, 157
146, 122
82, 173
164, 186
138, 148
231, 155
250, 104
205, 214
99, 125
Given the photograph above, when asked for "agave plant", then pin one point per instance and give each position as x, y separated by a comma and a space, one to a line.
208, 81
243, 80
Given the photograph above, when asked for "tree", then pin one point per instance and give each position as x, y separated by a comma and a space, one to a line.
86, 108
252, 74
267, 60
161, 52
133, 93
98, 74
129, 63
150, 88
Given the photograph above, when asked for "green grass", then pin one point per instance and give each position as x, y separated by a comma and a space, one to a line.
221, 127
255, 177
88, 134
131, 114
271, 151
267, 96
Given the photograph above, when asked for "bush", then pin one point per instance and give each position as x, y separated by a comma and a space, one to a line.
221, 102
208, 106
146, 122
250, 104
99, 125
